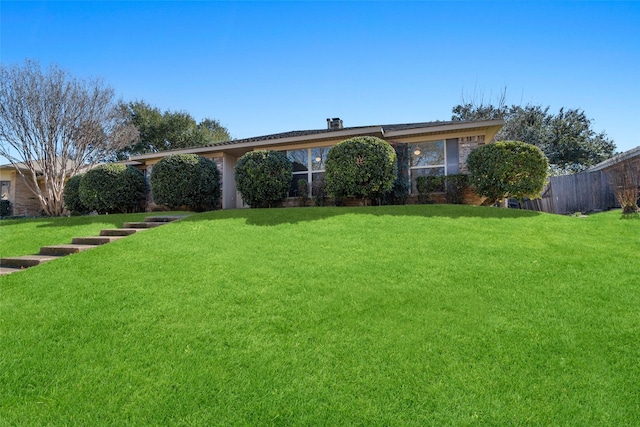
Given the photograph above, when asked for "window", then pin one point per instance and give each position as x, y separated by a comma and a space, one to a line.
5, 189
426, 158
308, 164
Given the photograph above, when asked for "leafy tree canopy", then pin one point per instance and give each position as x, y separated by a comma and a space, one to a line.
566, 138
169, 130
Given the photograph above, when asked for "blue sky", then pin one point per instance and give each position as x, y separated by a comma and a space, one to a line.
267, 67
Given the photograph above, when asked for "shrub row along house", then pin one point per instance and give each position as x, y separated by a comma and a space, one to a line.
433, 148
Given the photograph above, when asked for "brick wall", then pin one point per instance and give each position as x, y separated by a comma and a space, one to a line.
465, 146
25, 202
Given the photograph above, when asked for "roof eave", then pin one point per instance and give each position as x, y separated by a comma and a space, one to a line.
338, 134
448, 127
252, 144
615, 159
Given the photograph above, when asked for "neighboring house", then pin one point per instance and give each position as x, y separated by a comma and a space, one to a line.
631, 155
435, 148
14, 188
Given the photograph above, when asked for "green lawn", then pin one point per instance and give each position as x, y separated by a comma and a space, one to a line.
26, 236
402, 315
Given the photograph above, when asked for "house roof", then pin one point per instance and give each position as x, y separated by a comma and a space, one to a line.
634, 152
38, 166
300, 136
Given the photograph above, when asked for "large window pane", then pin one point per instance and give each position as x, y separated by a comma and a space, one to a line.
318, 158
5, 189
300, 159
427, 153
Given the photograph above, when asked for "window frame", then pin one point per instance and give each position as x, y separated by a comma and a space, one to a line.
412, 149
312, 167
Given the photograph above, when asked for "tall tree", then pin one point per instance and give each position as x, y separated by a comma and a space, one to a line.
216, 132
53, 125
170, 130
566, 138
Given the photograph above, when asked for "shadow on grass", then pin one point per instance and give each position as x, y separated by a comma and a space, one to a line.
277, 216
631, 216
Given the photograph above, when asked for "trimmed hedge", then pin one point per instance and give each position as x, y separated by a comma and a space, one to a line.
506, 169
71, 195
186, 180
5, 208
113, 188
455, 187
362, 167
427, 184
263, 177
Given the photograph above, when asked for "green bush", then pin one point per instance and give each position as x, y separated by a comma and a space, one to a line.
455, 187
508, 169
399, 193
319, 193
5, 208
186, 180
71, 195
427, 184
303, 191
362, 167
263, 177
113, 188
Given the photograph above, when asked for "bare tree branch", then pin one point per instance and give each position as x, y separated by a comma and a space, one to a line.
624, 178
53, 126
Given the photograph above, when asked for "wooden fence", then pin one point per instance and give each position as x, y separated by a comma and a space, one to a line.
583, 192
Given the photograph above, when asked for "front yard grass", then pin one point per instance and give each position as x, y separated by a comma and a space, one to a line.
26, 236
400, 315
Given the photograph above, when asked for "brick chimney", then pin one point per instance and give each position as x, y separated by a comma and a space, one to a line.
335, 123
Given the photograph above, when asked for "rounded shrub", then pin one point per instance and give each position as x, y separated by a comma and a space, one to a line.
113, 188
362, 167
71, 195
508, 169
186, 180
263, 177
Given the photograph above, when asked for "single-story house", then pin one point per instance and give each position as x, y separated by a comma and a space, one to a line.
435, 148
14, 187
630, 155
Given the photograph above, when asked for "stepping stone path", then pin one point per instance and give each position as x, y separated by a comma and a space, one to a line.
79, 244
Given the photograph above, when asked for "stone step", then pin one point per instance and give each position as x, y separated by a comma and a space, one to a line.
142, 224
153, 221
6, 270
47, 253
164, 218
25, 261
95, 240
61, 250
121, 231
